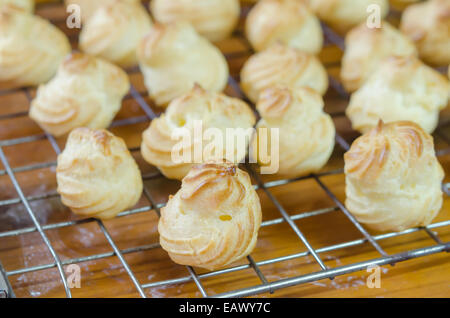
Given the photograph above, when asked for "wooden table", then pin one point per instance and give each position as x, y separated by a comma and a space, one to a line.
106, 276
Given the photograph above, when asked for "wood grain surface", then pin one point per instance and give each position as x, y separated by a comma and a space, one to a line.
106, 277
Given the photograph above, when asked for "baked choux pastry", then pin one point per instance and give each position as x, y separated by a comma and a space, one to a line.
366, 47
280, 64
174, 57
86, 92
130, 22
342, 15
27, 5
403, 88
287, 21
213, 220
393, 179
88, 7
31, 48
306, 132
96, 174
428, 25
214, 111
213, 19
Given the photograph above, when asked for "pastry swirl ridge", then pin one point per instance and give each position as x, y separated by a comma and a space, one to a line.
213, 220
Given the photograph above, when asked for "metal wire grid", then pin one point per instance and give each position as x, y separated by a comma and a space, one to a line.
265, 285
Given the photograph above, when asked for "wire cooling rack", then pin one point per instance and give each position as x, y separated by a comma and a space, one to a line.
264, 285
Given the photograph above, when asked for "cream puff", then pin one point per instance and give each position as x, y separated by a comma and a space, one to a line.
366, 47
96, 174
31, 48
163, 144
86, 92
393, 179
287, 21
213, 220
174, 57
114, 32
428, 25
403, 88
280, 64
306, 135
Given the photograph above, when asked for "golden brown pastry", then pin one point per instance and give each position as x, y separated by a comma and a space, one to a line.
213, 19
280, 64
428, 25
31, 48
130, 22
342, 15
213, 220
402, 4
306, 132
403, 88
86, 92
366, 47
393, 179
27, 5
96, 174
214, 110
287, 21
88, 7
174, 57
